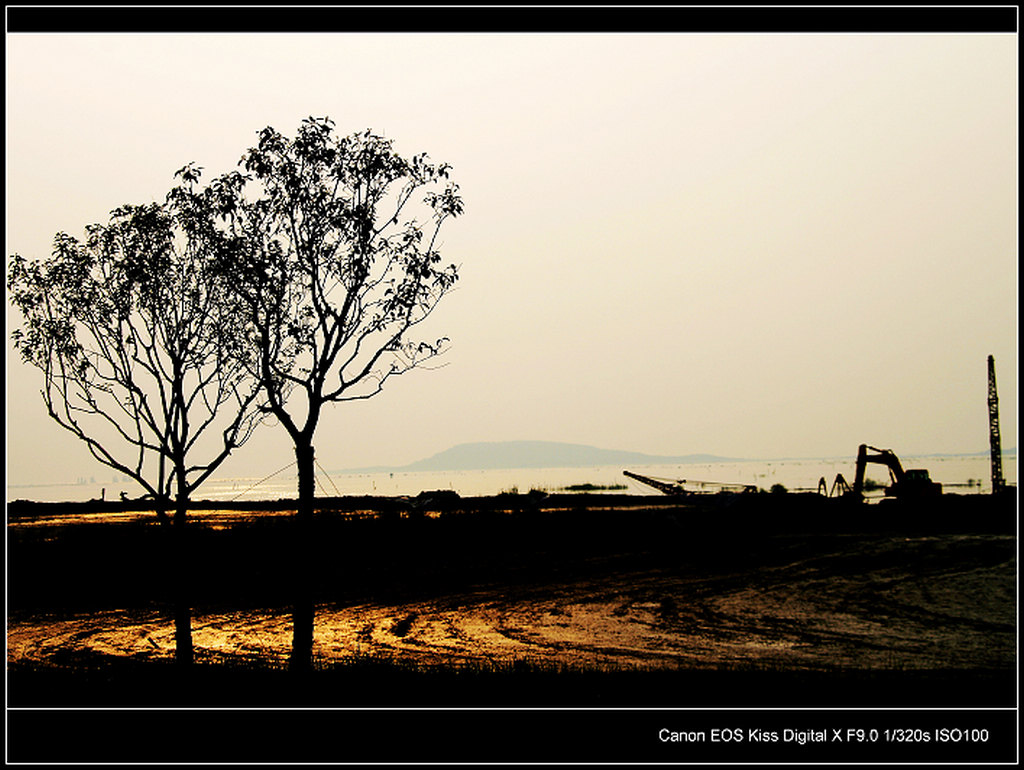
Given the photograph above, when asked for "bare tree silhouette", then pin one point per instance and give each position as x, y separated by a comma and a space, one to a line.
136, 339
334, 269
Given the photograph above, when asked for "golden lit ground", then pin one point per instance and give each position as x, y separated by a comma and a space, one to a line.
214, 518
882, 603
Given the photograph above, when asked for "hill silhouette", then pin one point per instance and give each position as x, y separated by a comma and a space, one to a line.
499, 455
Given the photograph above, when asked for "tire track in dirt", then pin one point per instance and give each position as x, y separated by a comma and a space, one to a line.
872, 603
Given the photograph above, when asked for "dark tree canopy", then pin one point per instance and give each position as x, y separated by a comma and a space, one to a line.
336, 259
136, 339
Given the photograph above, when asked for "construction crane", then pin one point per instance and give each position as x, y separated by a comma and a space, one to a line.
677, 486
995, 444
914, 483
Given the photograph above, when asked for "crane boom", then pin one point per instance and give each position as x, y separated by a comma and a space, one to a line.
668, 487
677, 486
995, 444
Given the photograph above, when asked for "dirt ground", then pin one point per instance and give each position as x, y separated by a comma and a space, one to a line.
850, 602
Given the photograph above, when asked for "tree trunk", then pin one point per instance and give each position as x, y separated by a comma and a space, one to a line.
302, 607
177, 565
182, 577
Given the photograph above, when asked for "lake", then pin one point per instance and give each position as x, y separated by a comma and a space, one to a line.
960, 474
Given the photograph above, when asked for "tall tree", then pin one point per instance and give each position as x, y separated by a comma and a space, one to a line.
138, 345
336, 259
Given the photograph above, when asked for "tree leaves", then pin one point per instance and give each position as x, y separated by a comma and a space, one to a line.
304, 271
138, 339
330, 266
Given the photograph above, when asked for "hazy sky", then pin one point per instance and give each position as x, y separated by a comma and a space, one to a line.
750, 245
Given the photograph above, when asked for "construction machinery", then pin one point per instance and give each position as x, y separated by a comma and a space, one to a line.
839, 487
911, 484
679, 487
998, 483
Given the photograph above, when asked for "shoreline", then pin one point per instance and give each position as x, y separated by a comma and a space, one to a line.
758, 511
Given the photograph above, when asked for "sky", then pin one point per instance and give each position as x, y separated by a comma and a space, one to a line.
755, 246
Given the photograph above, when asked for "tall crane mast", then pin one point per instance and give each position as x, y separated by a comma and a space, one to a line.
993, 430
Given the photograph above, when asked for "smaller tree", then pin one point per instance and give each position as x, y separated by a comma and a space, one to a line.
137, 340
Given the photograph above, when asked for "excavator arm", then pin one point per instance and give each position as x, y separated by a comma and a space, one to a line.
869, 454
909, 484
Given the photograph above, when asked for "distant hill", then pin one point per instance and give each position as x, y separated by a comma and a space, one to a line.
536, 454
